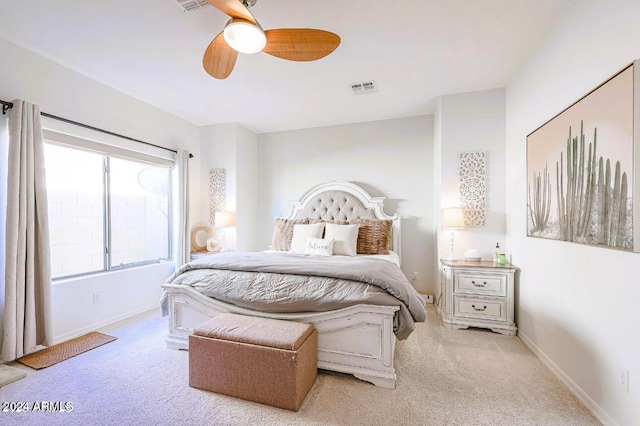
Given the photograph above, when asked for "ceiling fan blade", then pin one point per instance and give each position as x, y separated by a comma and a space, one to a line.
300, 44
219, 59
233, 8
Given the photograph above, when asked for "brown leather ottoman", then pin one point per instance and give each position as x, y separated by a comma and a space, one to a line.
273, 362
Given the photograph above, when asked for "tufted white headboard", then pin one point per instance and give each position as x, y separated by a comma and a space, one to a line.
343, 201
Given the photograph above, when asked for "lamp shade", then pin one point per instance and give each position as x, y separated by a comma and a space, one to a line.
453, 218
244, 37
225, 219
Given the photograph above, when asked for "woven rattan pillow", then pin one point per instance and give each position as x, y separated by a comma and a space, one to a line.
283, 233
374, 236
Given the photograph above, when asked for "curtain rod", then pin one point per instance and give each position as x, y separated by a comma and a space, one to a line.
6, 106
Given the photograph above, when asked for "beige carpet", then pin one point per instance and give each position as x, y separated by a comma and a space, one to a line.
10, 375
57, 353
445, 377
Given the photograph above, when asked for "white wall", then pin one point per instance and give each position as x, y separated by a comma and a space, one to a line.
247, 189
62, 92
391, 158
233, 148
470, 122
577, 305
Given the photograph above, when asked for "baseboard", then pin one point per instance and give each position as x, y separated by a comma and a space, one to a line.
93, 327
591, 405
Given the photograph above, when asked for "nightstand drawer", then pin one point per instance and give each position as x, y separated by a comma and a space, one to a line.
200, 254
480, 308
480, 284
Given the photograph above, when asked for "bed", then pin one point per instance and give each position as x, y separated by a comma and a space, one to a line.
357, 325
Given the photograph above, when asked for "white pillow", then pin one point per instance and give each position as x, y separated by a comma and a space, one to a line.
319, 247
301, 233
345, 236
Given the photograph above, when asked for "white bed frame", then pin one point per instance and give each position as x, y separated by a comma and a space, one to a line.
357, 340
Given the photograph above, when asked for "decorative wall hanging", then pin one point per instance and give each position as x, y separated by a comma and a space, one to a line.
472, 170
582, 168
217, 193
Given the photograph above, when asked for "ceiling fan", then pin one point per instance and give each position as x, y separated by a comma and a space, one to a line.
244, 34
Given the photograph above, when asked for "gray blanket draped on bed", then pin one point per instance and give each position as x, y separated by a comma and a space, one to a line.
285, 282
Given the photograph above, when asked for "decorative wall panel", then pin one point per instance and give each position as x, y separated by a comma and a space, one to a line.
217, 193
472, 170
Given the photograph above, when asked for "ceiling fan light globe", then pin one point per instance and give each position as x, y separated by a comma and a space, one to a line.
244, 37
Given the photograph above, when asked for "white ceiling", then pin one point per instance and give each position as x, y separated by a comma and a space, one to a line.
415, 50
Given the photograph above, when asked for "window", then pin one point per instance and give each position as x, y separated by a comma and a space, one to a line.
105, 212
139, 212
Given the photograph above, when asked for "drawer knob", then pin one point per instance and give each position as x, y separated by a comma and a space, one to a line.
478, 284
479, 309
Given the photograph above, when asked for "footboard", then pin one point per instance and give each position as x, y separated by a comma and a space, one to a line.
357, 340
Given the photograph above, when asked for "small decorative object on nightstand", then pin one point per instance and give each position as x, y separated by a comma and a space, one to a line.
477, 294
198, 234
213, 245
472, 255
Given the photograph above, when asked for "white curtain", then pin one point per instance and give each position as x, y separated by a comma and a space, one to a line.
182, 244
4, 148
27, 301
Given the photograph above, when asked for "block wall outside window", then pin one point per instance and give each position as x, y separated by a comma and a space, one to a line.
76, 210
139, 212
138, 226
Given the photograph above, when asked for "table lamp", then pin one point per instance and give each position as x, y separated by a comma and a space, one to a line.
452, 218
224, 220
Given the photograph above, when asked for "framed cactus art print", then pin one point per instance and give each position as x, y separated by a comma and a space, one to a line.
583, 168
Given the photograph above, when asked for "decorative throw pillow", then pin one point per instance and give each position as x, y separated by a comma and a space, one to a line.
345, 238
337, 222
283, 233
319, 247
301, 233
374, 236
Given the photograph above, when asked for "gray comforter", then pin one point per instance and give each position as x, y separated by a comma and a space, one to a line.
285, 282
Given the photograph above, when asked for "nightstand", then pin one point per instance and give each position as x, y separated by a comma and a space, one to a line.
477, 294
198, 254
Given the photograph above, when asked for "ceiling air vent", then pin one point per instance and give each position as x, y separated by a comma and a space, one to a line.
191, 5
363, 88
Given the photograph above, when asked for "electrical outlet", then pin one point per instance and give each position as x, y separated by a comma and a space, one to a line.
96, 298
415, 276
623, 379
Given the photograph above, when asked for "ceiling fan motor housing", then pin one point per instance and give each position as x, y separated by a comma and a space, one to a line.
245, 35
